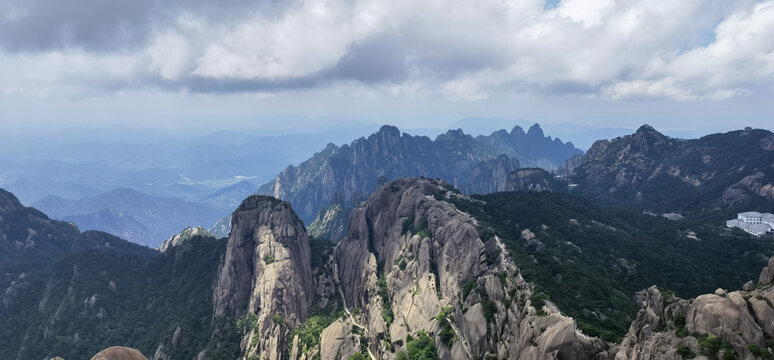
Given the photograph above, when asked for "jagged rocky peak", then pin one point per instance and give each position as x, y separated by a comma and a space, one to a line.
647, 135
389, 130
266, 274
453, 135
535, 131
9, 202
411, 261
731, 325
517, 131
183, 236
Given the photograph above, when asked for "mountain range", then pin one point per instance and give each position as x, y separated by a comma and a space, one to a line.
475, 165
422, 267
716, 174
538, 265
138, 217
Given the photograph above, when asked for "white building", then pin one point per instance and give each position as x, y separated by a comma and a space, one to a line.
753, 222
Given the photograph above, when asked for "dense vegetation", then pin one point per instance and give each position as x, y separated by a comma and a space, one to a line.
419, 347
96, 299
590, 260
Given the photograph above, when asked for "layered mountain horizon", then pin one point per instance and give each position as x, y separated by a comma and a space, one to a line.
508, 262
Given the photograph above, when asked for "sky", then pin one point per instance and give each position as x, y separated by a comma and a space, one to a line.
202, 66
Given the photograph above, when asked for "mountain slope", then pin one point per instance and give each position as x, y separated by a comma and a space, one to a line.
30, 239
116, 223
474, 165
591, 260
733, 170
87, 301
161, 216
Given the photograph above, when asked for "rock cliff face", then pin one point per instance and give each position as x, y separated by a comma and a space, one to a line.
474, 165
412, 262
330, 224
266, 275
570, 164
663, 173
534, 180
737, 324
490, 176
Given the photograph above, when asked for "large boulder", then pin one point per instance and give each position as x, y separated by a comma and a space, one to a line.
743, 319
767, 275
119, 353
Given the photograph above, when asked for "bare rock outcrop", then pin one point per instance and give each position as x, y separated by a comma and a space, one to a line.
750, 187
184, 235
119, 353
412, 254
767, 275
337, 341
266, 274
711, 324
534, 179
9, 202
490, 176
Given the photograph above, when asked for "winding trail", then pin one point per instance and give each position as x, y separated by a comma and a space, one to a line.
346, 308
464, 342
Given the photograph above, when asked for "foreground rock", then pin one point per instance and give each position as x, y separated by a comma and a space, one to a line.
411, 262
733, 325
119, 353
266, 276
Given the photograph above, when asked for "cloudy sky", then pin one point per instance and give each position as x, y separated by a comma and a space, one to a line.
175, 64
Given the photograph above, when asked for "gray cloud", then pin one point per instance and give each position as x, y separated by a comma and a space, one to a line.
466, 50
108, 25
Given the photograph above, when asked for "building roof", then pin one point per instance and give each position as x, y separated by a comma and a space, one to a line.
751, 214
761, 228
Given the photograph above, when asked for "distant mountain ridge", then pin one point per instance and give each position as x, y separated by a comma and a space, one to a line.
160, 217
475, 165
116, 223
531, 148
733, 170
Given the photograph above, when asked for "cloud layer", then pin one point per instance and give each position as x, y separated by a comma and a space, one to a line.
467, 50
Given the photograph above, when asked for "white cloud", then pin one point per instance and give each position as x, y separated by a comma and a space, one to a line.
463, 50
